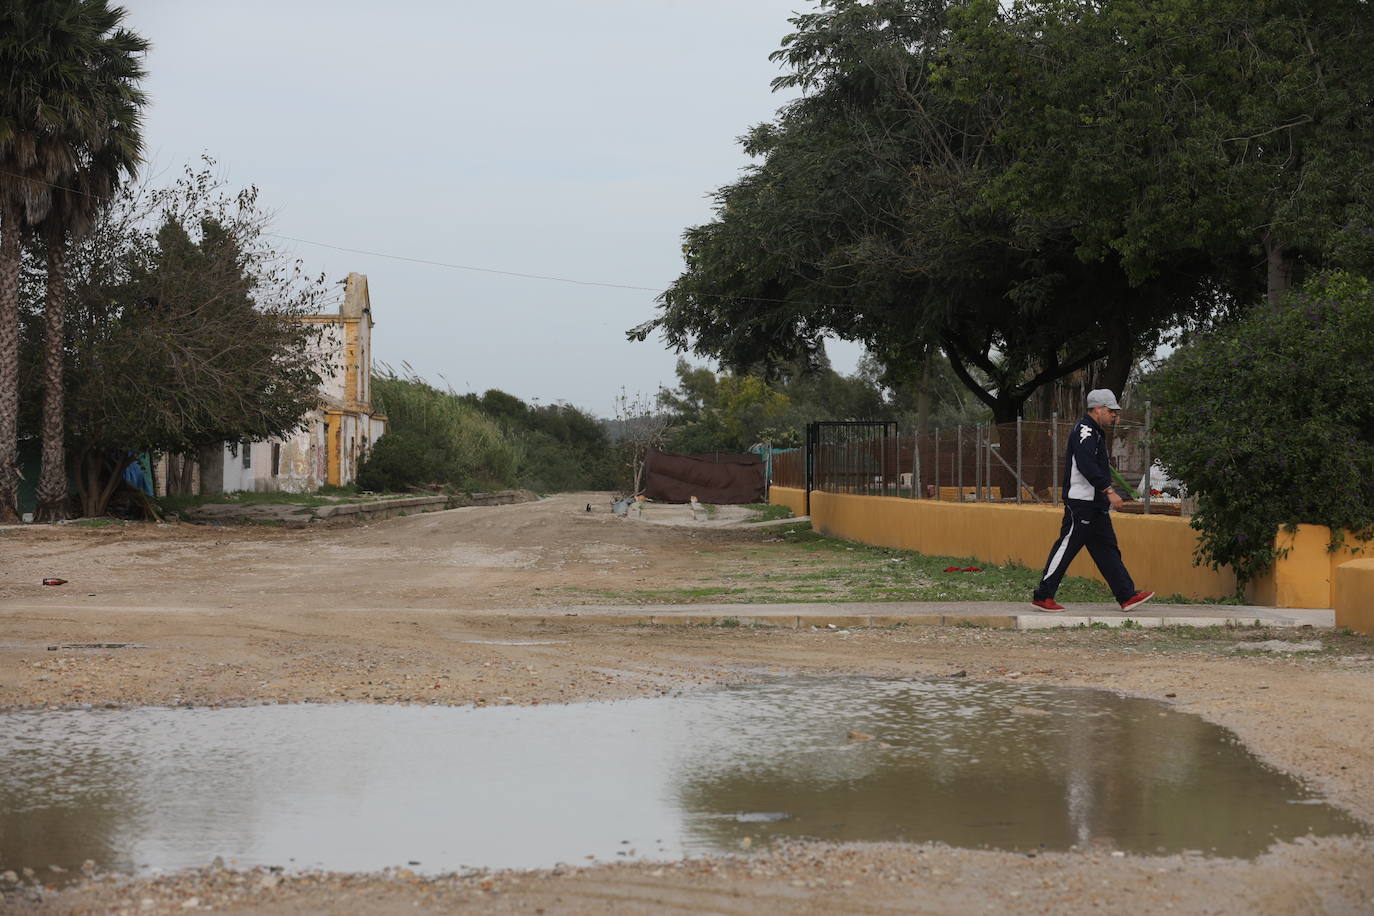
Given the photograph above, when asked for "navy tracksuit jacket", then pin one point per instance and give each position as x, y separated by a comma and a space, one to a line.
1087, 519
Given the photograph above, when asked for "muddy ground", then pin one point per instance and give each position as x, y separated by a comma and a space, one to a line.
412, 610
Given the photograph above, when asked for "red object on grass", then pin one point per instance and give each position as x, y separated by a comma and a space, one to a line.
952, 569
973, 569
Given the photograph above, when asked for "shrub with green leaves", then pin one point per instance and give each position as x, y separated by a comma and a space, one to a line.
563, 448
1271, 422
434, 438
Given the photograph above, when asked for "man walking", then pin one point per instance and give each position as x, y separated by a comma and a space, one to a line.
1088, 501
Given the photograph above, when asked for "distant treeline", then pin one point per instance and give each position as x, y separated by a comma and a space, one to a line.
440, 440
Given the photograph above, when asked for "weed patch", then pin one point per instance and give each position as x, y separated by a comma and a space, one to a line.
763, 512
94, 522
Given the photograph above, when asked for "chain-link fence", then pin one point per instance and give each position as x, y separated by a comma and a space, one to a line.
1021, 462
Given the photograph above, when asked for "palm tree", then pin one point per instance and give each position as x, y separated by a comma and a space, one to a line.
114, 154
23, 198
69, 128
9, 356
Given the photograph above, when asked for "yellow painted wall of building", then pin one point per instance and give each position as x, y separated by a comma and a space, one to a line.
1353, 588
333, 447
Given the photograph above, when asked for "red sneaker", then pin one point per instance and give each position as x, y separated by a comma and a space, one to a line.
1048, 604
1136, 600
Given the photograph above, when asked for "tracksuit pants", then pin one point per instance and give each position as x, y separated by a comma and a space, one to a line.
1086, 525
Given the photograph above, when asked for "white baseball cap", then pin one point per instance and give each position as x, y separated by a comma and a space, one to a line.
1102, 397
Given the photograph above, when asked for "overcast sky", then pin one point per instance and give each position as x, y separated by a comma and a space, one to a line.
566, 139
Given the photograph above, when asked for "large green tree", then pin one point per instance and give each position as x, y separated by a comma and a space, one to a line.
69, 131
1234, 131
184, 332
867, 216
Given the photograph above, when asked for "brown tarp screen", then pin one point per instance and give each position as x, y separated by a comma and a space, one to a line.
719, 478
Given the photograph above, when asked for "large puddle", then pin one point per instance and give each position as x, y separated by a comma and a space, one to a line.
360, 788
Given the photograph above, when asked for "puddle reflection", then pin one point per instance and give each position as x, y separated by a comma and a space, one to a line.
359, 788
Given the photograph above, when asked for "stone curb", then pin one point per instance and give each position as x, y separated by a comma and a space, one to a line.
846, 621
384, 507
376, 509
388, 508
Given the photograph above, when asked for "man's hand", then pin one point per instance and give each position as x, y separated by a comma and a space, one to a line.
1114, 500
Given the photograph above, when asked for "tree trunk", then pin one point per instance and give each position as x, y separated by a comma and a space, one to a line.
9, 363
52, 480
97, 479
923, 394
1007, 407
175, 463
182, 474
1005, 403
1120, 360
1282, 263
186, 475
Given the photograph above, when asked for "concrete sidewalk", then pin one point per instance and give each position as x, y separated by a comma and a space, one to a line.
997, 614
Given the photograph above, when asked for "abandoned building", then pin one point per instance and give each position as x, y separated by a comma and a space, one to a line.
336, 434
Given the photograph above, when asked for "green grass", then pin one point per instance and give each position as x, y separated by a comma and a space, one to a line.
797, 564
1230, 600
794, 563
763, 512
95, 523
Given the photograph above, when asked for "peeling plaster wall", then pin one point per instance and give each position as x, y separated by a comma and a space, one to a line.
336, 436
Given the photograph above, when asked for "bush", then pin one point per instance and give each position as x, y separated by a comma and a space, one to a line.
401, 460
435, 439
562, 448
554, 466
1271, 423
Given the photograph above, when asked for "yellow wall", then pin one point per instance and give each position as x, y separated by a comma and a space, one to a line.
333, 447
1158, 549
1305, 575
790, 497
1354, 596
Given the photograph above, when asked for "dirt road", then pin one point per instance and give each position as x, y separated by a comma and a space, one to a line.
418, 610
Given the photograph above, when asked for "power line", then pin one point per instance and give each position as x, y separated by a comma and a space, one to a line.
467, 267
485, 270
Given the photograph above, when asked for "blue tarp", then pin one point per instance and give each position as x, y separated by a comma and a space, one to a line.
138, 475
